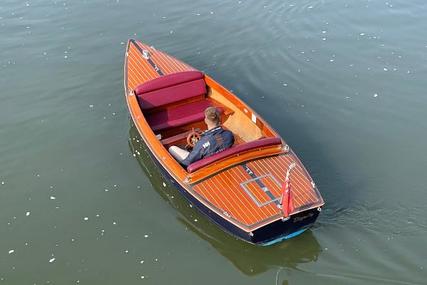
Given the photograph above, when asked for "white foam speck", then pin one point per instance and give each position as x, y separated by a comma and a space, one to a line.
385, 69
86, 218
142, 261
2, 183
164, 184
362, 34
142, 276
11, 251
146, 236
27, 214
375, 95
52, 260
52, 197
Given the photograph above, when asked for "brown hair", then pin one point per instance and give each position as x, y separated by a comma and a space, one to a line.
212, 114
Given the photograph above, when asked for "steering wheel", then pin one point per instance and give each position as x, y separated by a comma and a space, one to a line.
193, 137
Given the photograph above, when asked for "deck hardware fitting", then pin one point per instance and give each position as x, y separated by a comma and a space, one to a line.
145, 54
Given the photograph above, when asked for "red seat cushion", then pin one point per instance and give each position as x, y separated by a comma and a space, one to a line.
179, 115
171, 88
171, 94
232, 151
168, 80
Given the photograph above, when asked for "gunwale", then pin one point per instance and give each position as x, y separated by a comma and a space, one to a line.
190, 181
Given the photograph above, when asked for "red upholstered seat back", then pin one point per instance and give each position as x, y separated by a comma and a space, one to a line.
232, 151
171, 88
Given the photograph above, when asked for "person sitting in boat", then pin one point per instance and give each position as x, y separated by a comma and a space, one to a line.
215, 139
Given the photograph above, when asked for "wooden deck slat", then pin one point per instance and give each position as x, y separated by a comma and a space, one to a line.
300, 179
242, 209
226, 185
236, 189
141, 67
297, 181
277, 174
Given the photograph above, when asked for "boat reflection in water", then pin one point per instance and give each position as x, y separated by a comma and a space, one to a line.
249, 259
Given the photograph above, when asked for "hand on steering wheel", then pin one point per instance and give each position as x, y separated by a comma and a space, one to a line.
192, 138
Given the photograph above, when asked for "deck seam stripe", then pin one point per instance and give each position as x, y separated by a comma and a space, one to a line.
236, 207
261, 214
300, 181
239, 197
149, 60
162, 62
297, 189
299, 197
133, 63
255, 215
229, 198
280, 173
257, 166
148, 72
139, 62
260, 184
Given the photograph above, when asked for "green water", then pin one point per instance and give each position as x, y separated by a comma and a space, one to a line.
342, 81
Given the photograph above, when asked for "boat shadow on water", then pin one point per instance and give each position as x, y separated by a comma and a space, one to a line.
248, 258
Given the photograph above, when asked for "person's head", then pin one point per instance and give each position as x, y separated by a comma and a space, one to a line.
212, 118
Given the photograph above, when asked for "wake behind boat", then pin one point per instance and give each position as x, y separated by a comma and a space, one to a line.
257, 190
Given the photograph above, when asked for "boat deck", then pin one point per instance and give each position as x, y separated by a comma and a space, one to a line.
141, 70
250, 193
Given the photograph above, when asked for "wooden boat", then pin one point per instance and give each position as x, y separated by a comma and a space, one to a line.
240, 188
250, 260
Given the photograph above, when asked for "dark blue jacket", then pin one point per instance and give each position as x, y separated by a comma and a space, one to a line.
212, 141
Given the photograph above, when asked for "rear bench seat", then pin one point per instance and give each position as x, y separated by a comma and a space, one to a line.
155, 97
264, 142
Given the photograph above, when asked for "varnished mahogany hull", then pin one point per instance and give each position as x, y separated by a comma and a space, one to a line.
240, 193
269, 234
